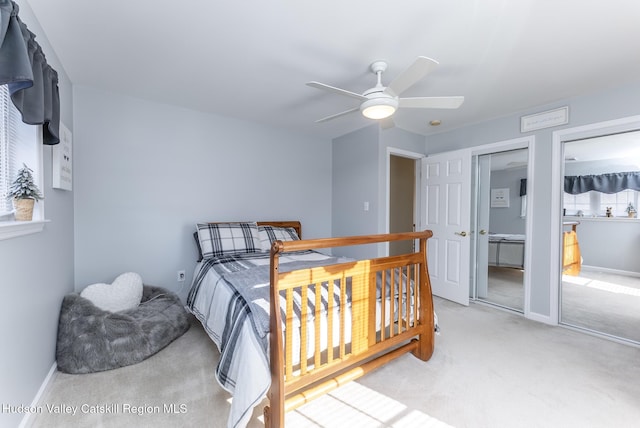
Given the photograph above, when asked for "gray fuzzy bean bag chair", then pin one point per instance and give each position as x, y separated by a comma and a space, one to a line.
91, 339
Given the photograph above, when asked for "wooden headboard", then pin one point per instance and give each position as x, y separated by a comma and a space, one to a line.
295, 224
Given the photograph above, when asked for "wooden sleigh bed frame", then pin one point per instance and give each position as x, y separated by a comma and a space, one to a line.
378, 332
571, 258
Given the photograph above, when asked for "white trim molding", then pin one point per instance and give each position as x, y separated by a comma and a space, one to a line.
39, 394
13, 229
529, 143
418, 191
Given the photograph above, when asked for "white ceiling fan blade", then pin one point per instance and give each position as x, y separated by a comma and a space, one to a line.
430, 102
336, 90
333, 116
416, 71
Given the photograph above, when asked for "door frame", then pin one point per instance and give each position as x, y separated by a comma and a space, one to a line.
514, 144
480, 201
416, 189
625, 124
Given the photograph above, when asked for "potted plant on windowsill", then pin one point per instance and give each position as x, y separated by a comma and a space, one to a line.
631, 210
24, 193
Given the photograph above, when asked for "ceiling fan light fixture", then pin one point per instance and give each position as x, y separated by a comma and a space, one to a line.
379, 108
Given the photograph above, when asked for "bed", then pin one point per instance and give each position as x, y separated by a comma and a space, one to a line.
571, 257
506, 250
293, 323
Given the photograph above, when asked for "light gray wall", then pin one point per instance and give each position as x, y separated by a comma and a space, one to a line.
355, 181
609, 243
36, 273
359, 175
508, 220
612, 104
146, 173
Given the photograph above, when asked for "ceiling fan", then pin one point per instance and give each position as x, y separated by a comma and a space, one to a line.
380, 102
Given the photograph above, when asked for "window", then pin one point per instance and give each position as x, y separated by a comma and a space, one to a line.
619, 201
574, 204
594, 204
19, 143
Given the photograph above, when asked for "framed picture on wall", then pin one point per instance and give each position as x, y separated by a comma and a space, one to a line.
63, 160
500, 198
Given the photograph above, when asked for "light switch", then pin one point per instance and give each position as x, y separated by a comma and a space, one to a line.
366, 206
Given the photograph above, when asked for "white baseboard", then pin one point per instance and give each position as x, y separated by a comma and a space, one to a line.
611, 271
38, 396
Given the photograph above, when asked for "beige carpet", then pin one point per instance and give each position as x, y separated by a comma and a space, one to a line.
505, 287
602, 302
599, 301
491, 368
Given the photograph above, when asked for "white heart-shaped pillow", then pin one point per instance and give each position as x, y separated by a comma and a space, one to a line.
125, 292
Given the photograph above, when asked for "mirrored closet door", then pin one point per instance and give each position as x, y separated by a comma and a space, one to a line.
499, 228
600, 287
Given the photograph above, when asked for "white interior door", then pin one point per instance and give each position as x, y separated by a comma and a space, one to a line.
446, 187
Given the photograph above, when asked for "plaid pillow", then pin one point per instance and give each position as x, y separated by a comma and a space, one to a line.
217, 239
269, 234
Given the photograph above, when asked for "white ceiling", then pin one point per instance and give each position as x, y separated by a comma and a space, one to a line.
613, 150
251, 59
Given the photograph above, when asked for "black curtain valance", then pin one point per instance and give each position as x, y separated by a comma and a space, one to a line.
605, 183
32, 83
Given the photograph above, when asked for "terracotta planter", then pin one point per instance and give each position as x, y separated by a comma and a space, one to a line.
24, 209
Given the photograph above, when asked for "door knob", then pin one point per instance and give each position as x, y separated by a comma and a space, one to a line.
461, 233
483, 232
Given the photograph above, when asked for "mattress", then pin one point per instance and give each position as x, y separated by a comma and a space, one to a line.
506, 250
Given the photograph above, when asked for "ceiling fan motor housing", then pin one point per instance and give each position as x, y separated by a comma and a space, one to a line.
379, 106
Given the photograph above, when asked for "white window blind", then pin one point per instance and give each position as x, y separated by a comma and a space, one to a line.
18, 145
594, 203
8, 150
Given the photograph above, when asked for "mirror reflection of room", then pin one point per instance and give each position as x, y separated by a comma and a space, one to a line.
600, 289
501, 223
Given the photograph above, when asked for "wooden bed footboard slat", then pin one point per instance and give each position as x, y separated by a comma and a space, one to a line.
330, 327
416, 295
303, 330
383, 308
359, 314
289, 335
372, 324
408, 293
392, 306
343, 314
317, 352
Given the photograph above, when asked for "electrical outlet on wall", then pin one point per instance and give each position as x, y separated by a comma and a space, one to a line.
181, 275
